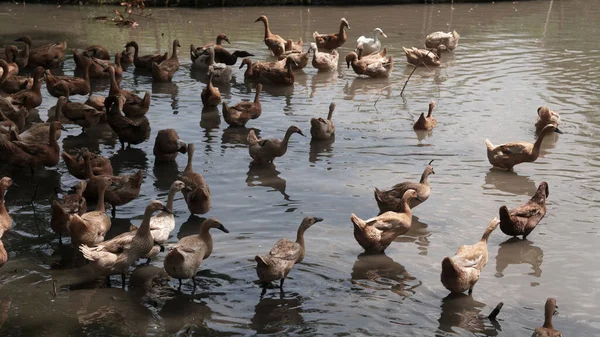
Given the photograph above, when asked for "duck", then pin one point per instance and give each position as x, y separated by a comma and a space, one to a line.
547, 330
79, 113
274, 42
332, 41
11, 53
76, 85
3, 254
127, 56
32, 155
5, 220
18, 117
279, 76
7, 126
376, 234
426, 123
29, 98
461, 272
380, 56
300, 58
249, 74
283, 256
123, 188
200, 58
422, 57
97, 51
108, 262
99, 67
523, 219
508, 155
128, 131
196, 192
443, 41
134, 105
371, 44
220, 71
97, 102
164, 71
38, 133
76, 165
13, 84
47, 56
323, 129
145, 61
168, 145
264, 151
162, 224
60, 210
239, 114
293, 47
545, 117
324, 61
392, 199
22, 57
372, 68
91, 227
183, 261
211, 96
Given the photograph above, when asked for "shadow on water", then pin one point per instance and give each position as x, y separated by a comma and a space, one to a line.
236, 136
509, 182
266, 175
190, 227
170, 89
321, 150
518, 251
321, 80
129, 160
210, 118
276, 312
418, 233
462, 311
165, 173
91, 138
381, 272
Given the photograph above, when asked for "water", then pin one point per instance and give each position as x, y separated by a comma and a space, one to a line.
512, 58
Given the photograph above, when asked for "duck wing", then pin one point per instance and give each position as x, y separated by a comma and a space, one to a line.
116, 245
468, 256
511, 148
285, 250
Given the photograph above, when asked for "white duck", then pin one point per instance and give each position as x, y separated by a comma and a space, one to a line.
371, 44
220, 71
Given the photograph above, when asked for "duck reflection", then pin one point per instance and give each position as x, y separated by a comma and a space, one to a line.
368, 86
129, 160
190, 227
236, 136
517, 251
321, 149
117, 226
165, 173
462, 311
322, 80
509, 182
276, 313
422, 134
418, 233
186, 311
382, 273
169, 88
210, 118
37, 189
267, 175
280, 91
91, 138
201, 75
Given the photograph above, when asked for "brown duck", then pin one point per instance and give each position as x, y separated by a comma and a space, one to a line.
134, 106
211, 96
264, 151
321, 128
97, 51
128, 131
13, 84
523, 219
32, 155
279, 76
62, 209
426, 123
91, 227
29, 98
47, 56
547, 330
5, 220
391, 200
252, 73
196, 191
164, 71
168, 145
76, 85
76, 165
332, 41
79, 113
274, 42
241, 113
145, 61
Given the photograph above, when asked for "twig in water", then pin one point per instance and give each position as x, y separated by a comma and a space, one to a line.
54, 288
405, 83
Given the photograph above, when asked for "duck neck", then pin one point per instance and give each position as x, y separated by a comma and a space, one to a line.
330, 114
188, 167
171, 197
406, 203
4, 72
376, 37
549, 312
267, 30
290, 71
210, 84
135, 50
86, 71
286, 139
118, 60
488, 231
37, 84
300, 238
87, 162
174, 54
430, 111
114, 86
145, 225
52, 136
424, 177
257, 95
341, 32
211, 57
100, 205
538, 142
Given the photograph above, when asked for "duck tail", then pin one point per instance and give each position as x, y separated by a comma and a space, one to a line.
492, 225
489, 145
455, 34
316, 35
146, 102
358, 222
504, 215
406, 51
262, 260
252, 139
378, 194
137, 179
449, 268
420, 123
87, 252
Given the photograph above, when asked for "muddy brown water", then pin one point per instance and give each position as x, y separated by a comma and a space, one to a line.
512, 58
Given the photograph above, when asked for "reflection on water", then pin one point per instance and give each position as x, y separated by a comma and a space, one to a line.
321, 149
165, 173
190, 227
129, 160
210, 118
277, 313
508, 181
171, 89
368, 86
184, 312
321, 80
266, 175
236, 135
418, 233
380, 272
518, 251
462, 311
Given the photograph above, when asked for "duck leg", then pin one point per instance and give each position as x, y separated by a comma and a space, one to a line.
148, 260
113, 212
281, 283
108, 281
470, 290
179, 285
123, 279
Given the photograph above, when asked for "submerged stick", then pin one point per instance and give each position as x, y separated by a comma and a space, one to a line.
496, 311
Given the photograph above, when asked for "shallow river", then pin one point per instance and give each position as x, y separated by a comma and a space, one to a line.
512, 58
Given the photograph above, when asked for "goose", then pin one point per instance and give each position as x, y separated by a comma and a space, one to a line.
371, 45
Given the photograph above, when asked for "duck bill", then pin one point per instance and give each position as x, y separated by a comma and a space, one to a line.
318, 220
419, 199
165, 209
557, 130
222, 228
383, 34
302, 133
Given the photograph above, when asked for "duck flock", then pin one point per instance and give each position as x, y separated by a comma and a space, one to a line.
36, 147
